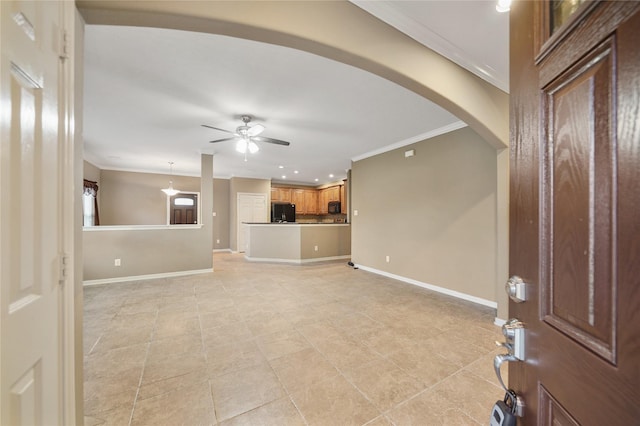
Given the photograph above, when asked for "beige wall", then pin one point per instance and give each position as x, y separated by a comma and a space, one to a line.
296, 243
144, 252
221, 219
331, 240
261, 242
91, 172
237, 185
433, 214
130, 198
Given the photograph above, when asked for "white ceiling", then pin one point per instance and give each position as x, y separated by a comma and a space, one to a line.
148, 91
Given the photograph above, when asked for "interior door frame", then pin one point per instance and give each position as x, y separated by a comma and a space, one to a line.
71, 232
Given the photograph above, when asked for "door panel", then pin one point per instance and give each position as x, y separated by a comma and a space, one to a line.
30, 213
251, 208
575, 221
579, 203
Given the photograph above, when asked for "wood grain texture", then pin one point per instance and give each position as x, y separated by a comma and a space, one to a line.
575, 173
578, 196
628, 219
523, 189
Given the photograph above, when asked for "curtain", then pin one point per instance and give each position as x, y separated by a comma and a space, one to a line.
90, 203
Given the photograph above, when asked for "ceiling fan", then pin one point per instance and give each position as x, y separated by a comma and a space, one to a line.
247, 136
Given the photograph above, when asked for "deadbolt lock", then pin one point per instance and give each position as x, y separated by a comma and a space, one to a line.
516, 289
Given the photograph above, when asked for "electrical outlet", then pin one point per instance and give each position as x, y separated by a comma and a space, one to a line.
116, 262
315, 248
217, 241
355, 212
387, 259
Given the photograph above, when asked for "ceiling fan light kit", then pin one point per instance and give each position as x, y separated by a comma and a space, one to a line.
245, 145
247, 136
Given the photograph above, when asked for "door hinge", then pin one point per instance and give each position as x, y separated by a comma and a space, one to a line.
63, 264
64, 45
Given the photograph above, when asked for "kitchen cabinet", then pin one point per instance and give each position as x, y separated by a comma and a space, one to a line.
323, 202
280, 195
326, 195
311, 201
297, 198
306, 200
333, 193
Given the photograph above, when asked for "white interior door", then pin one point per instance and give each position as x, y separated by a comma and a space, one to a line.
31, 189
251, 208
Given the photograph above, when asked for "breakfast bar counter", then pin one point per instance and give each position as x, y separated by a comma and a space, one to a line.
297, 242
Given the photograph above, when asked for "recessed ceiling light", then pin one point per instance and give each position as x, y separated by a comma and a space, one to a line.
316, 179
284, 177
331, 175
281, 167
296, 172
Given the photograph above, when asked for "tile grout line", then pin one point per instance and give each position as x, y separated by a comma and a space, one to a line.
340, 373
144, 366
206, 357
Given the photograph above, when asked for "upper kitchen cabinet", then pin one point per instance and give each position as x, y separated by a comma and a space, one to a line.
326, 195
343, 197
297, 198
306, 200
280, 195
311, 201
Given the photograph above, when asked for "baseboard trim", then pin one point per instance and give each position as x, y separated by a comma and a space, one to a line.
457, 294
145, 277
226, 250
296, 261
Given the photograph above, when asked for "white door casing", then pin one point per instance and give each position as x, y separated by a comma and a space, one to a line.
36, 232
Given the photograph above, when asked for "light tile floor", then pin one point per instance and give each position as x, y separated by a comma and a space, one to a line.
270, 344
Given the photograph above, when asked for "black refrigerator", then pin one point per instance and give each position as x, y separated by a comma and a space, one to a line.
283, 212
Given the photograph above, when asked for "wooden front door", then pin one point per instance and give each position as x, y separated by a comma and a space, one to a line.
575, 210
183, 209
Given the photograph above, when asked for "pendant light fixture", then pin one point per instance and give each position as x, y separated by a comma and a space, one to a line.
170, 191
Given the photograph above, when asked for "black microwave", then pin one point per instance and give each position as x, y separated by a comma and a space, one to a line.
334, 207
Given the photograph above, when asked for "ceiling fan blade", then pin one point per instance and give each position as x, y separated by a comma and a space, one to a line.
255, 130
217, 128
271, 140
222, 140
